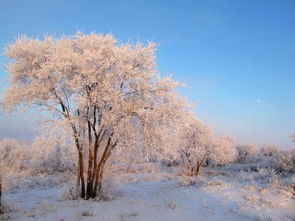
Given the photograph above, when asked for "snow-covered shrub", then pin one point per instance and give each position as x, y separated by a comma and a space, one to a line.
10, 154
285, 162
10, 158
187, 181
222, 151
269, 150
51, 156
246, 153
87, 212
262, 176
70, 193
9, 149
127, 216
42, 156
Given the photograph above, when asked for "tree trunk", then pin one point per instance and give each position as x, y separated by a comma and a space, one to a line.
80, 160
78, 176
97, 183
89, 188
198, 169
81, 174
99, 168
99, 175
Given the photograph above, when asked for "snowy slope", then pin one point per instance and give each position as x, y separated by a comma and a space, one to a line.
156, 197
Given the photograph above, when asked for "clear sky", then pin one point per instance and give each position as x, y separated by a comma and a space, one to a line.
238, 57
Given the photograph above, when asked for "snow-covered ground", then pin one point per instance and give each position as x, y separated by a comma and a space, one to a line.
160, 197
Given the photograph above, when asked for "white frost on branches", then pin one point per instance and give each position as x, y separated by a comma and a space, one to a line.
106, 95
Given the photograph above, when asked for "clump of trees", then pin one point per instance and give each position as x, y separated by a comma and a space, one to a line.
198, 147
106, 95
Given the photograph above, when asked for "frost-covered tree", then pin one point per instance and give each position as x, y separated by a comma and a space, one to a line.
107, 95
198, 147
195, 144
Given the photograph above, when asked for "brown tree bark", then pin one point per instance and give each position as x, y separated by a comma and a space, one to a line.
89, 188
100, 167
80, 161
81, 174
98, 181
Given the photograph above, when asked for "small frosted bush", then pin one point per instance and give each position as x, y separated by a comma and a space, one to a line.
11, 154
70, 193
269, 150
246, 153
222, 152
285, 162
50, 157
42, 156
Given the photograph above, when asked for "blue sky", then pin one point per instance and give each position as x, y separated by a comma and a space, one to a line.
238, 57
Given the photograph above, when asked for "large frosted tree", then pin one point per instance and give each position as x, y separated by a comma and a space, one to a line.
106, 95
